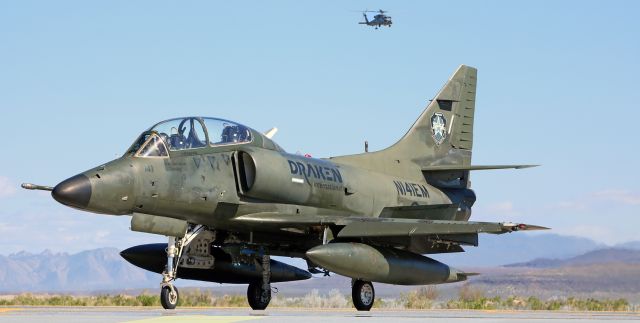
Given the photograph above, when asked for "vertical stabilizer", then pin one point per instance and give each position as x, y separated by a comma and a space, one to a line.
442, 135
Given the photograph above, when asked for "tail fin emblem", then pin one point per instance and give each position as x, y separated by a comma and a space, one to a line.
438, 127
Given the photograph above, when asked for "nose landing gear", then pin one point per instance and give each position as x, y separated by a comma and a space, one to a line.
168, 293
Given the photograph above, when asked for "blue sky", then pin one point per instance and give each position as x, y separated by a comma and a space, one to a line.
558, 86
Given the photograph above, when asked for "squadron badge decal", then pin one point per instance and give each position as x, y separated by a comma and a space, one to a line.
438, 127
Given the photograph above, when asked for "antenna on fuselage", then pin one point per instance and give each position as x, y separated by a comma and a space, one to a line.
271, 132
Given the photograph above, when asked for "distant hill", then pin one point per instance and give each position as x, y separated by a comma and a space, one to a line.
509, 248
603, 273
89, 270
602, 256
635, 245
569, 264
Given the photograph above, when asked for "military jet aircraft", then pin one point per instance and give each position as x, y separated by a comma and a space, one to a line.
228, 197
378, 20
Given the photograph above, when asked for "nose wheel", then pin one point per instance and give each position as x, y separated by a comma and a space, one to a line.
363, 295
169, 297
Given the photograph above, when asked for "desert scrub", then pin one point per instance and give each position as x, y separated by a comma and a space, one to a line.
591, 304
148, 300
421, 298
471, 298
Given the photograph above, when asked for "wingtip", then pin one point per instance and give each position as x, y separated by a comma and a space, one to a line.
511, 227
537, 227
527, 166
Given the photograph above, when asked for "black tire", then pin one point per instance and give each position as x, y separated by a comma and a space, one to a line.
363, 295
255, 296
169, 299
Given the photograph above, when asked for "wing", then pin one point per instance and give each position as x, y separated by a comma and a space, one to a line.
384, 227
366, 228
415, 235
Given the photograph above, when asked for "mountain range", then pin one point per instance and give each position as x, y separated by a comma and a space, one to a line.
601, 256
497, 250
506, 260
84, 271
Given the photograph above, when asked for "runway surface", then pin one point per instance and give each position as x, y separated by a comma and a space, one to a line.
229, 315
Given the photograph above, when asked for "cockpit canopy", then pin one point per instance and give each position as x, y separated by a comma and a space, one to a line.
189, 133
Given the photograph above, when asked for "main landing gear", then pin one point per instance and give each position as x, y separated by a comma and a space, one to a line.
259, 292
198, 255
363, 294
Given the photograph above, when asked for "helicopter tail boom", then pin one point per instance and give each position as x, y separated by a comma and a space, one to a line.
366, 20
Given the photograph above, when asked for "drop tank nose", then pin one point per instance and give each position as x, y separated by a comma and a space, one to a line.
151, 257
74, 191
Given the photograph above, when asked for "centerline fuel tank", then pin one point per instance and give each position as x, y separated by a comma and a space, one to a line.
153, 257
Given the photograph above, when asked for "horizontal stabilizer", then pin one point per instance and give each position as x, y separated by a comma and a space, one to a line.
473, 167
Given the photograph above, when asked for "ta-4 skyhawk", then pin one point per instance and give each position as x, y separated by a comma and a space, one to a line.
228, 197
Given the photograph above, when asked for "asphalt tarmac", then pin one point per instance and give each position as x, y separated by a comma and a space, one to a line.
229, 315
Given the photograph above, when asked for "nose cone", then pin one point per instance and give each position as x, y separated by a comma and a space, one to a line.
74, 192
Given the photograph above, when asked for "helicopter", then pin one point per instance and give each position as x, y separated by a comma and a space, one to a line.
378, 20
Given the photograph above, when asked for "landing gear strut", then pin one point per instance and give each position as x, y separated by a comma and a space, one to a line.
363, 294
168, 293
259, 292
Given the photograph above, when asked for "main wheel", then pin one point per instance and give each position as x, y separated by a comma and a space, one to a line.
258, 297
169, 297
363, 294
